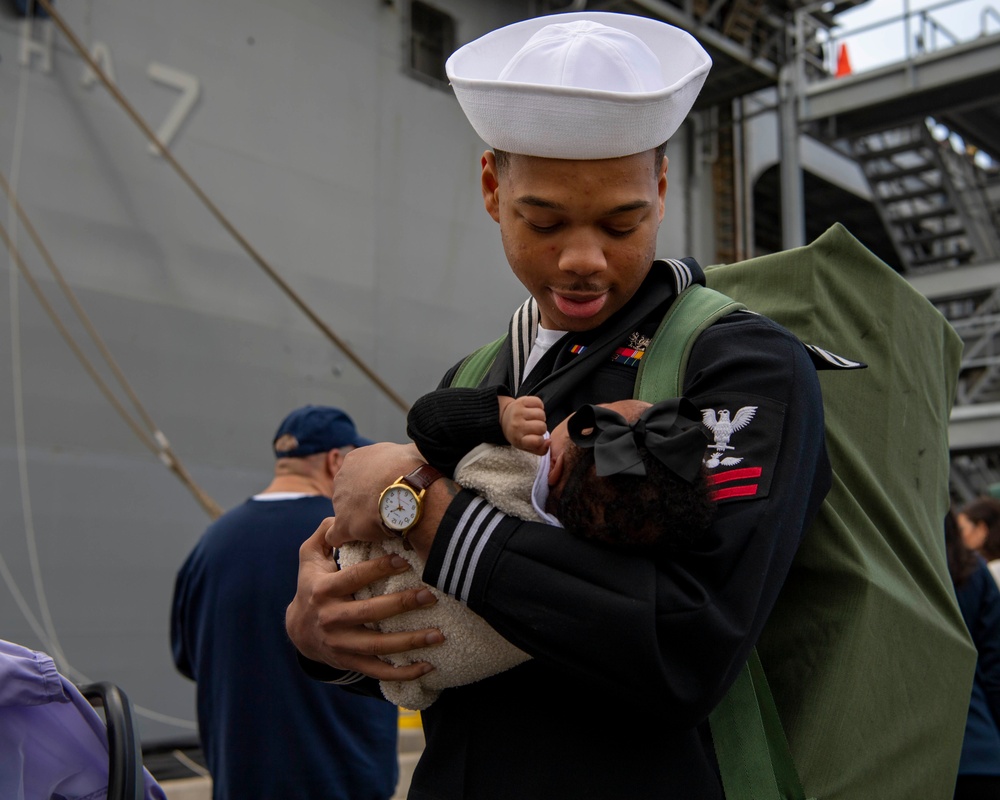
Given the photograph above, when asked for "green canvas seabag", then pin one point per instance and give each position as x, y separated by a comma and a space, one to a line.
866, 655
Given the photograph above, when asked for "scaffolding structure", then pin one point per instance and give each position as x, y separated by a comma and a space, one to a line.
923, 128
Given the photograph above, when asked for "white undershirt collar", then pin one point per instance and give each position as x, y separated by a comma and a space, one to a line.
544, 340
267, 496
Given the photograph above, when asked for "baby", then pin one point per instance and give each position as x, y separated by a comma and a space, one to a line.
627, 474
624, 473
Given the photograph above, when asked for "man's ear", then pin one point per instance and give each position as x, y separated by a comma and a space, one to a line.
662, 186
490, 184
334, 461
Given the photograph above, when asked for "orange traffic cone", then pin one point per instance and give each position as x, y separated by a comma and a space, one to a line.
843, 62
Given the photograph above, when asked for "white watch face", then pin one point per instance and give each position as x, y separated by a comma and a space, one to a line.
399, 508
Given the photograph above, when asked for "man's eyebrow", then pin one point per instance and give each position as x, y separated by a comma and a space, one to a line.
541, 202
635, 205
538, 202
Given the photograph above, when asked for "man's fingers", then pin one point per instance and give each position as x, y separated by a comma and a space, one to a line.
374, 667
341, 531
376, 609
359, 648
365, 642
330, 533
328, 624
315, 547
359, 575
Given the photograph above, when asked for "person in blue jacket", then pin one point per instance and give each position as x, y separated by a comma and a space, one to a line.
979, 600
266, 729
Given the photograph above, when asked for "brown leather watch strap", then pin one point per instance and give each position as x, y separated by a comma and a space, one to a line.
422, 477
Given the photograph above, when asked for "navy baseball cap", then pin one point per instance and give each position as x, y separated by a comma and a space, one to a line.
316, 429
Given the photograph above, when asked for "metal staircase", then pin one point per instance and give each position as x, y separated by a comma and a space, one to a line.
977, 320
975, 315
931, 199
918, 130
972, 475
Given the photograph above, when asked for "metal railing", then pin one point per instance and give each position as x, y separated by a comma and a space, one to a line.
914, 32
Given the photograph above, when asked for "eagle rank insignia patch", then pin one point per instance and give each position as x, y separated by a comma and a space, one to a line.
744, 435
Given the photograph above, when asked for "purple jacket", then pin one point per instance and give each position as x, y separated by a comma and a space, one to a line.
52, 741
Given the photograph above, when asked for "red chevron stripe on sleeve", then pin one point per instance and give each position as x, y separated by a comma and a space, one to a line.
745, 488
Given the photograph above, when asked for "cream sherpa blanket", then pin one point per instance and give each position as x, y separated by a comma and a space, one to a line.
472, 650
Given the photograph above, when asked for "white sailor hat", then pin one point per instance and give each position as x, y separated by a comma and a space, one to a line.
584, 85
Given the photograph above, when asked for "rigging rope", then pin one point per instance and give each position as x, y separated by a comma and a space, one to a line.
153, 439
45, 628
219, 216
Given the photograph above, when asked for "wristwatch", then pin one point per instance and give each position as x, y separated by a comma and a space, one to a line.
402, 502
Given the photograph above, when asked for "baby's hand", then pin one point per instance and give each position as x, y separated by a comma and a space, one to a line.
523, 423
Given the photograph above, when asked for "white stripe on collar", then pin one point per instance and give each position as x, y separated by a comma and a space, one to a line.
832, 358
523, 329
681, 271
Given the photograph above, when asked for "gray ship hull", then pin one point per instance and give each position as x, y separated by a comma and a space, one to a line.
354, 180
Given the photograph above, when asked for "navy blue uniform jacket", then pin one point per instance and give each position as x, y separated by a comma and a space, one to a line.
631, 652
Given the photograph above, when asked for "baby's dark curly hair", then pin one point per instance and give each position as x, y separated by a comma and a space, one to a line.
658, 508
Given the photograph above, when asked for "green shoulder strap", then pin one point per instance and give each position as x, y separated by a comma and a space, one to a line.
750, 743
661, 370
476, 365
